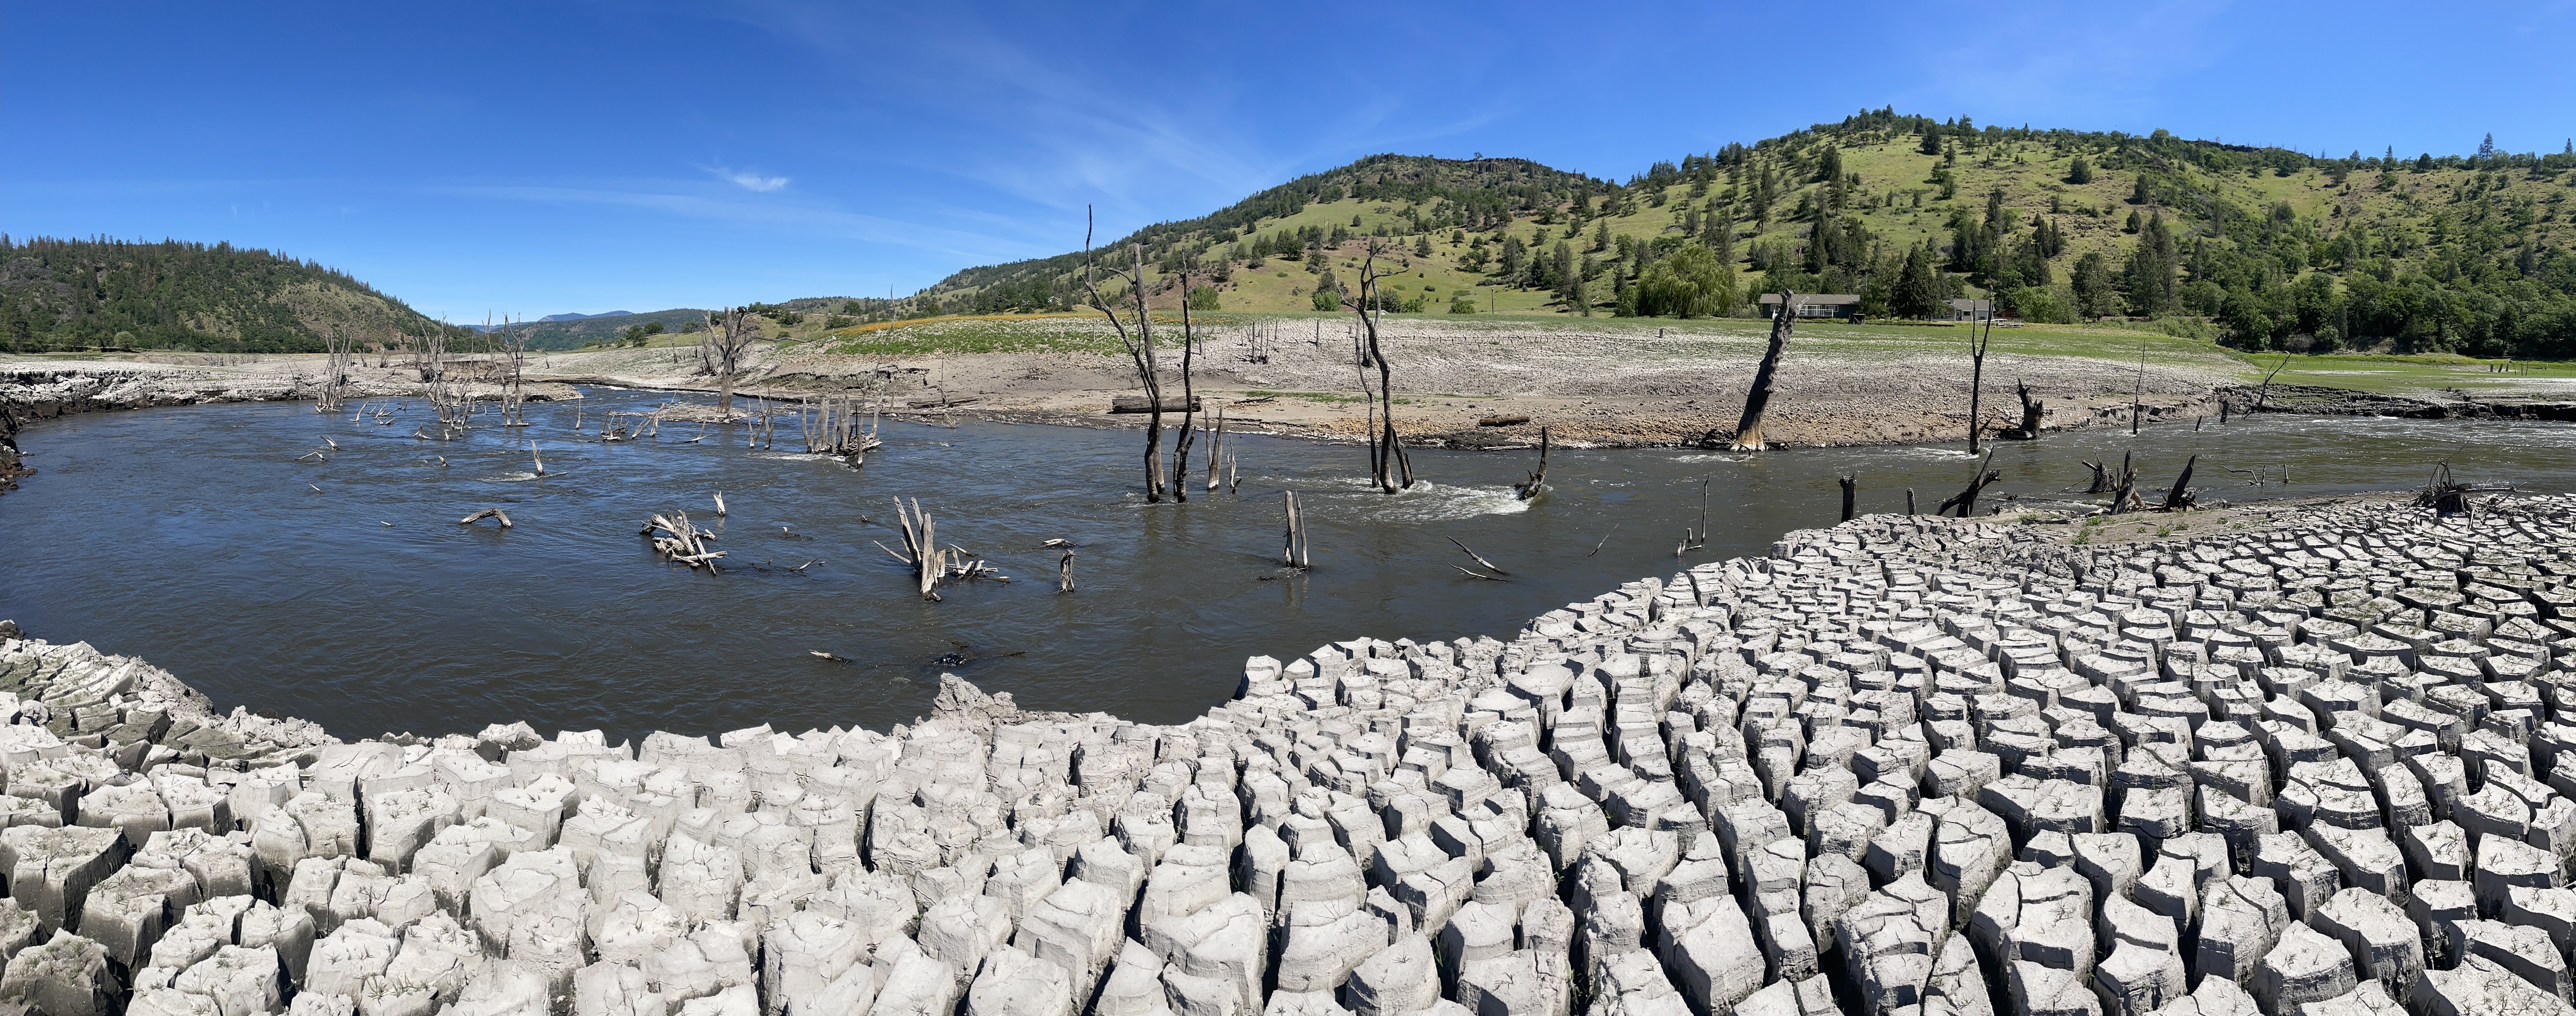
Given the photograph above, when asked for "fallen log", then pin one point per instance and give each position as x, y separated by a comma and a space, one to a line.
1501, 421
1141, 404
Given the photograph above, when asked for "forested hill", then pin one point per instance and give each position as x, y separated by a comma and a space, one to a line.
2267, 247
99, 293
1480, 190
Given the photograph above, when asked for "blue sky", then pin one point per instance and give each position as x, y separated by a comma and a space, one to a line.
536, 157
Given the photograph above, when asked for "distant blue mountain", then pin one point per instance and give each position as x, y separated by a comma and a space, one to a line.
577, 317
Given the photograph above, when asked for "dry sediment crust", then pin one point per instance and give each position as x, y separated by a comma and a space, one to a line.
1904, 764
35, 391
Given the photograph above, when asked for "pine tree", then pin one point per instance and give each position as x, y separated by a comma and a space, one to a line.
1931, 140
1918, 290
2486, 148
1601, 236
2097, 291
2150, 276
2081, 172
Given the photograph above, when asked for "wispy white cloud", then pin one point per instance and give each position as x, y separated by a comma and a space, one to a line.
670, 197
747, 179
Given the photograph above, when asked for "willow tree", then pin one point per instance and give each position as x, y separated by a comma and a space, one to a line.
1139, 342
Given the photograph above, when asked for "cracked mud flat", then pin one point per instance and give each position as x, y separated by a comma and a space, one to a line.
1903, 765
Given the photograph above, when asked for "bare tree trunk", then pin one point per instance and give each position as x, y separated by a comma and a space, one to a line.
1851, 486
1140, 353
1389, 466
1189, 399
1748, 431
1216, 445
1152, 370
1977, 381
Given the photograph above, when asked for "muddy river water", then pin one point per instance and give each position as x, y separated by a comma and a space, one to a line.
344, 591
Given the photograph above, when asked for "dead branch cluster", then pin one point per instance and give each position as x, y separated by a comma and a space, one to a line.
680, 540
831, 426
2447, 496
2122, 485
932, 566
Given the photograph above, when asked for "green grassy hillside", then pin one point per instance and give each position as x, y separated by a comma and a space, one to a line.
2273, 248
85, 294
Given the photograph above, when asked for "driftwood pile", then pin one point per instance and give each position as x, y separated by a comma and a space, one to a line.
680, 540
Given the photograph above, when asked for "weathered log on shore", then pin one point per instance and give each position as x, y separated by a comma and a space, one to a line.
2053, 773
1142, 404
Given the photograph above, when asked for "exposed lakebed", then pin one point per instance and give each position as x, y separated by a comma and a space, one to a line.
193, 537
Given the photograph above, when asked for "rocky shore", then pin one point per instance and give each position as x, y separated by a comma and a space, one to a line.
1902, 766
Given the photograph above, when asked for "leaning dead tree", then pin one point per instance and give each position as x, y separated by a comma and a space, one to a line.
721, 352
1748, 431
1966, 500
2181, 497
1492, 572
1139, 342
1390, 468
1537, 481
